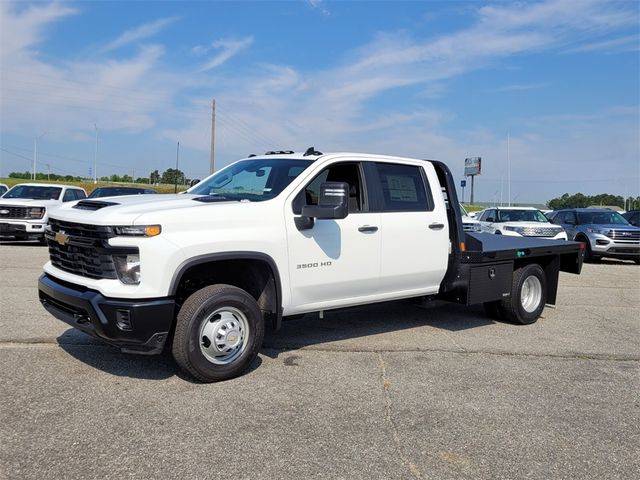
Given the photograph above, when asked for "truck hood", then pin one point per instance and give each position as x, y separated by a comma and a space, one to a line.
29, 202
125, 210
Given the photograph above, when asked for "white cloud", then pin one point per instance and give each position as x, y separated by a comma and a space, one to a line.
228, 47
627, 43
320, 6
138, 33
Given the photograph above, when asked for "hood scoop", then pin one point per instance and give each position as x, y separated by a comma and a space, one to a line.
92, 205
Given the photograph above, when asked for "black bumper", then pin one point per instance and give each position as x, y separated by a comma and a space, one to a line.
135, 326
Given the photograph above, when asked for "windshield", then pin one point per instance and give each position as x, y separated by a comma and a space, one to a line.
601, 218
521, 216
2, 189
33, 191
254, 180
116, 191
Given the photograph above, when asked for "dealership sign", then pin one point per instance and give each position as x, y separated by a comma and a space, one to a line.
472, 166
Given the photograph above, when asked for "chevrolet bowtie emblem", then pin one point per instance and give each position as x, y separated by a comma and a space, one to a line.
62, 238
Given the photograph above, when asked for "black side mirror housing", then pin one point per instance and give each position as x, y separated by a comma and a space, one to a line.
490, 220
333, 204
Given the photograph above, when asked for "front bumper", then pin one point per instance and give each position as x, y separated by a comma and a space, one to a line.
133, 326
604, 246
17, 228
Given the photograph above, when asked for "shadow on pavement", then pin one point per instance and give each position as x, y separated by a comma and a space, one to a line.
371, 320
109, 359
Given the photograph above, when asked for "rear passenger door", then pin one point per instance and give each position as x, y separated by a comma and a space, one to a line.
414, 232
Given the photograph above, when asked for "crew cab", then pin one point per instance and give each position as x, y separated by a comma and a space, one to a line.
25, 208
279, 235
520, 222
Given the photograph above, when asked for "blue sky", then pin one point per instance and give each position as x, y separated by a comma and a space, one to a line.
443, 80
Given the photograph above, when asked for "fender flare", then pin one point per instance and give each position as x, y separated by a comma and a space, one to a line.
239, 255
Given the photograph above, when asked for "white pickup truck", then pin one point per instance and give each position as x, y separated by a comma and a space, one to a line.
24, 209
278, 235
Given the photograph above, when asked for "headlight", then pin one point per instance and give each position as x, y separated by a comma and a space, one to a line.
128, 268
601, 231
476, 227
36, 212
138, 230
519, 230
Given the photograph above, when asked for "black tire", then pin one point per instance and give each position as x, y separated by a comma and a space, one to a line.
493, 309
589, 257
197, 315
512, 308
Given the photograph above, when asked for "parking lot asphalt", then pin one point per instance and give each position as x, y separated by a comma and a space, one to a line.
388, 391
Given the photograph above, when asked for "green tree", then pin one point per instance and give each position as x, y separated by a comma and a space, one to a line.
171, 175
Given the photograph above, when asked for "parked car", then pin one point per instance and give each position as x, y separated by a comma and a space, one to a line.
119, 191
633, 217
606, 233
469, 224
24, 209
3, 189
520, 222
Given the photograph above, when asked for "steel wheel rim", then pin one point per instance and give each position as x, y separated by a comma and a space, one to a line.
531, 293
223, 335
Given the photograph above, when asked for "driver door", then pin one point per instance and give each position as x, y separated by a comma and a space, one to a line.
336, 261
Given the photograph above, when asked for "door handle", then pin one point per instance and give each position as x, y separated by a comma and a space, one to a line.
436, 226
368, 228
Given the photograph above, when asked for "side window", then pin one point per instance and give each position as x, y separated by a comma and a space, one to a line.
79, 194
569, 217
341, 172
490, 216
403, 188
68, 196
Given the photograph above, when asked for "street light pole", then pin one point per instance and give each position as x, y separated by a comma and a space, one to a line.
35, 152
95, 157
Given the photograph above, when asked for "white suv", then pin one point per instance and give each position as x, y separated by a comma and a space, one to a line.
520, 222
24, 209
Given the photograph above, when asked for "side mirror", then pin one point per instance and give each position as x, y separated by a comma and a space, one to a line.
195, 181
333, 204
570, 221
490, 220
472, 214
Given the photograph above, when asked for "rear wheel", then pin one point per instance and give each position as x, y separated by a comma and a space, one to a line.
219, 331
528, 295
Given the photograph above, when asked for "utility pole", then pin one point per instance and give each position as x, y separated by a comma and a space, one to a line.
213, 135
95, 157
175, 177
48, 172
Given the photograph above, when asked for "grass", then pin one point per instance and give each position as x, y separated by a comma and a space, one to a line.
90, 186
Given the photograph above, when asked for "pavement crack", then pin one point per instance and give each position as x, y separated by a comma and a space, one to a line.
388, 403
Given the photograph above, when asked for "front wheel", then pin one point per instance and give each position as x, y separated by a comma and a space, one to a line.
219, 331
528, 295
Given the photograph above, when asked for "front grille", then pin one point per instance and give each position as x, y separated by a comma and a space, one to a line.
469, 227
540, 231
624, 235
9, 211
81, 249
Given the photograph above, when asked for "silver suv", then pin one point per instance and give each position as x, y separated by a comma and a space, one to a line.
606, 233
